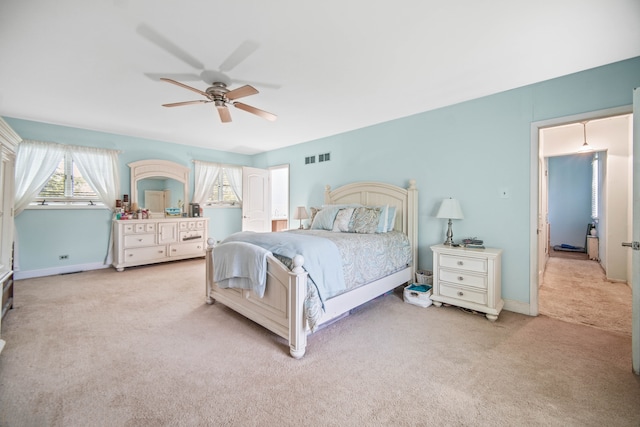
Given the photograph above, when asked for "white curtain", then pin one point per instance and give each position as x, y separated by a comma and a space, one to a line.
234, 175
35, 163
205, 177
100, 168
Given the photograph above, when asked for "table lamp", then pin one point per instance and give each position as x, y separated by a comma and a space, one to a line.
450, 209
300, 213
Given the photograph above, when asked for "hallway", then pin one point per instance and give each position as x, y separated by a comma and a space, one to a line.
577, 291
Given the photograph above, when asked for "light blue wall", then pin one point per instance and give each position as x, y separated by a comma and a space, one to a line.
41, 236
569, 199
470, 151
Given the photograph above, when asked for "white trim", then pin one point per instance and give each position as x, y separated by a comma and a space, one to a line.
517, 307
29, 274
534, 190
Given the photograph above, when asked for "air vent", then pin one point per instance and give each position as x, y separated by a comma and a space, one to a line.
324, 157
309, 160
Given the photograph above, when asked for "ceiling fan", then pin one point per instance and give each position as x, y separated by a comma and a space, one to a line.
221, 97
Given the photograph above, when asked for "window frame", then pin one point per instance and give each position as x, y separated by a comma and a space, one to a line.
219, 184
68, 201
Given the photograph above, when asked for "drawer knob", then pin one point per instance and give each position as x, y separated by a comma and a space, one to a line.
460, 278
130, 255
460, 293
460, 263
139, 240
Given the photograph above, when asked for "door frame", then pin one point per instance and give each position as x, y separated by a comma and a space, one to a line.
535, 190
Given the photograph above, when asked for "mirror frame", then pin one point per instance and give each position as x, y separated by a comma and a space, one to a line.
143, 169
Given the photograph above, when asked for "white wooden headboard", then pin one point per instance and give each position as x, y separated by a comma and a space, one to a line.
379, 194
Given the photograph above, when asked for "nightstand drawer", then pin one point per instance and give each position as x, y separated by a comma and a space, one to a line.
463, 294
462, 278
478, 265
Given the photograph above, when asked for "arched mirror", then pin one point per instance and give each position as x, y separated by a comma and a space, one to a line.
159, 184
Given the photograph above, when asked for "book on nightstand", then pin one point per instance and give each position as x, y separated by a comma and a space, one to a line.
473, 243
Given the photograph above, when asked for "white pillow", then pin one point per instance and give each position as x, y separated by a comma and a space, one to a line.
391, 218
382, 222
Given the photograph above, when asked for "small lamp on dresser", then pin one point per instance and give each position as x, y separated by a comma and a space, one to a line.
300, 213
450, 209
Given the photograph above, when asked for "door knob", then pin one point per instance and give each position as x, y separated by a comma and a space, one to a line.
633, 245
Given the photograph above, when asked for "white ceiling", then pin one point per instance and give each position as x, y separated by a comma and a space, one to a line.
323, 67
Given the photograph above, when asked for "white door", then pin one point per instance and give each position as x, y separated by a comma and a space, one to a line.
635, 275
256, 200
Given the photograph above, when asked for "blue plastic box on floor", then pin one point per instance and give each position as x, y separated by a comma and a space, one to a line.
418, 294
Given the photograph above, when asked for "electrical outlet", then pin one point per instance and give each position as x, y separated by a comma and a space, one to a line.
63, 257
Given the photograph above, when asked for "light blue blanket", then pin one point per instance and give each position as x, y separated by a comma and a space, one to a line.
321, 256
240, 265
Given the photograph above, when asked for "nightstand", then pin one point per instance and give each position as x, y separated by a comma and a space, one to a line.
469, 278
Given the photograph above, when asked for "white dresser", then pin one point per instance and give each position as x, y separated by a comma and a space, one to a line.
468, 278
149, 241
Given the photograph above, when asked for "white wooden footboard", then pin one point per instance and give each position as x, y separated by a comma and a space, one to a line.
280, 310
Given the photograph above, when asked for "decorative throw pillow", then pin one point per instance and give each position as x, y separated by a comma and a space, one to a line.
365, 220
314, 212
343, 219
323, 220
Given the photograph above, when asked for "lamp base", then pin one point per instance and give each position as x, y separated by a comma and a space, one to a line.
449, 241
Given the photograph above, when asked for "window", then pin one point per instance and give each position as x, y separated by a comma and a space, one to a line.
222, 192
595, 188
67, 185
57, 175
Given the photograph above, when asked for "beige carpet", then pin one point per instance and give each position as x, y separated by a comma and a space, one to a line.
577, 291
140, 348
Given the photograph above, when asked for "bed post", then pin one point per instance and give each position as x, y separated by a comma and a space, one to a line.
297, 321
209, 269
412, 226
327, 194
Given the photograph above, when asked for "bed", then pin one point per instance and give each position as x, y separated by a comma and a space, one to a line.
282, 309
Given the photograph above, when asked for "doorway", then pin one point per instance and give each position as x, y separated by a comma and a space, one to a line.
609, 131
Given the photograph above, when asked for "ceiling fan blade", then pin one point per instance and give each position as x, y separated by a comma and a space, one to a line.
256, 111
165, 44
241, 92
164, 79
245, 49
174, 76
178, 104
225, 116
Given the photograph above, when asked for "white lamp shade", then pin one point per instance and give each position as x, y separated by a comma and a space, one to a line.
300, 213
450, 209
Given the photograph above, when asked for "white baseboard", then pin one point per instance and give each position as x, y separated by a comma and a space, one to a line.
517, 307
17, 275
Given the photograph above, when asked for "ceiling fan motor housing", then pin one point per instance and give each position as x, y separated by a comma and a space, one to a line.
217, 93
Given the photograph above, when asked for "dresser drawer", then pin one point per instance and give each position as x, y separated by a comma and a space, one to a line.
462, 278
144, 254
463, 294
478, 265
186, 236
195, 248
135, 240
133, 228
192, 225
